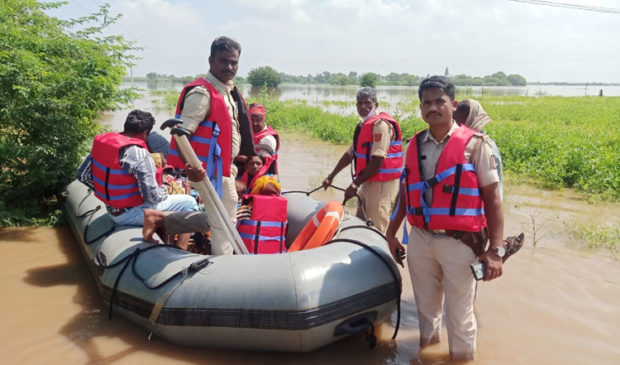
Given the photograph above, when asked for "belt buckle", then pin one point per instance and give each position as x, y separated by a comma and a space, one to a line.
439, 231
115, 212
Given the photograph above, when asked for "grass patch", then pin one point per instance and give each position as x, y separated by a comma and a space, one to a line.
571, 142
595, 236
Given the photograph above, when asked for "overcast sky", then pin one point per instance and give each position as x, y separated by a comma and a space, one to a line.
420, 37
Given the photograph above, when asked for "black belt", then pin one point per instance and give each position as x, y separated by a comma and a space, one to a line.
447, 232
115, 211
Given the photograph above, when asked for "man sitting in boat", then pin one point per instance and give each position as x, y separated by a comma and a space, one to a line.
122, 173
261, 218
263, 133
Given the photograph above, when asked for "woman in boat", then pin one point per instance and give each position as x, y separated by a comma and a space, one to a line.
257, 166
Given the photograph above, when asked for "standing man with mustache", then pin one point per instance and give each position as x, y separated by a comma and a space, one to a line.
450, 192
214, 111
377, 155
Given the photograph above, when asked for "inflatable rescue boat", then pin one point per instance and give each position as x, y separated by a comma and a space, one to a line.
296, 301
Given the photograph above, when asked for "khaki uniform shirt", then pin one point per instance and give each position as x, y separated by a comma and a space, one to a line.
198, 104
486, 169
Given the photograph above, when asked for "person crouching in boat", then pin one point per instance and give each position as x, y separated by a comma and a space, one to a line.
122, 174
257, 166
261, 218
377, 154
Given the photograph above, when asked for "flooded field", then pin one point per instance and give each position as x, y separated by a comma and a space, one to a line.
555, 304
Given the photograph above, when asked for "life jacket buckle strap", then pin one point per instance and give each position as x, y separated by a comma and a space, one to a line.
431, 182
448, 189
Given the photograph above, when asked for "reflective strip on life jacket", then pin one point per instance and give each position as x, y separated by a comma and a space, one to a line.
391, 166
264, 232
212, 140
457, 203
112, 184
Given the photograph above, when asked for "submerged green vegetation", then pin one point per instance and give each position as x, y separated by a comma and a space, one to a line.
571, 142
557, 142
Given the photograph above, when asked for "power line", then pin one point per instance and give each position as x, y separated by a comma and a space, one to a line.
570, 6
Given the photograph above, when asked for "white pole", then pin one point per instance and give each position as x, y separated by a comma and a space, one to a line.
222, 229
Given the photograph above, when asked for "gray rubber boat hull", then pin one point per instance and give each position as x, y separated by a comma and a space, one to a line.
292, 302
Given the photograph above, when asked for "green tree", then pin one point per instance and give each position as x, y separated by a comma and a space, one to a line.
369, 79
339, 79
56, 77
151, 75
264, 76
516, 80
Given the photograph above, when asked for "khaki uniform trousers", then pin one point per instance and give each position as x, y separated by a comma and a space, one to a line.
378, 197
440, 272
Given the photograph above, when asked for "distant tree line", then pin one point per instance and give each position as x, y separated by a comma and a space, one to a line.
269, 77
152, 76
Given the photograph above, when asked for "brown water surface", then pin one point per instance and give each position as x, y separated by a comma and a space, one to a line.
554, 304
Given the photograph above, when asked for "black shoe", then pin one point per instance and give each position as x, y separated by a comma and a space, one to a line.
513, 245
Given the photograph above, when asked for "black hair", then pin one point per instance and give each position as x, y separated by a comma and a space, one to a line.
139, 121
463, 107
261, 157
224, 44
437, 82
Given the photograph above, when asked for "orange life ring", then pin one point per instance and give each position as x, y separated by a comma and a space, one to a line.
320, 228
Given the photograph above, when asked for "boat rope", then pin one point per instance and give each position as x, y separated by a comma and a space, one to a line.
369, 222
106, 233
90, 213
132, 259
387, 264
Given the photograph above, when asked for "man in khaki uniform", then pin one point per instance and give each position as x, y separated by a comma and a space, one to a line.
197, 105
222, 70
377, 189
439, 263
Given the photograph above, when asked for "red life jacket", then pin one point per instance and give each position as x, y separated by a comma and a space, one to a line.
159, 173
264, 232
268, 132
457, 204
212, 140
263, 170
392, 165
113, 185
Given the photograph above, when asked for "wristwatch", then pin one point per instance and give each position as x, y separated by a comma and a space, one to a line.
500, 251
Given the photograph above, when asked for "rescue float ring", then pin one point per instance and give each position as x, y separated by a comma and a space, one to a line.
320, 228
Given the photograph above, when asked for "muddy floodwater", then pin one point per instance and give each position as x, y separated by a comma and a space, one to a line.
555, 304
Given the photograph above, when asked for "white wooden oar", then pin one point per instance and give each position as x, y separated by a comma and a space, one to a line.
222, 229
